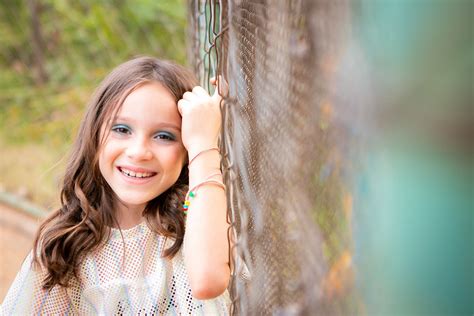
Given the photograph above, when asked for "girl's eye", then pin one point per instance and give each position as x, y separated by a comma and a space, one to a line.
165, 136
121, 129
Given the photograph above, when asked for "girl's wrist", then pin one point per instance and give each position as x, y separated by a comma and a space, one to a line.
192, 158
209, 161
203, 165
197, 147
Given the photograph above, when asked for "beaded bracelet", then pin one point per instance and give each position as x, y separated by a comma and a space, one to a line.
192, 193
201, 152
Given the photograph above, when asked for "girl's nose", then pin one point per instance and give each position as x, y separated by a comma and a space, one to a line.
138, 150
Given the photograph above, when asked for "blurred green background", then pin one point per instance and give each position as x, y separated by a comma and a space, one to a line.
53, 53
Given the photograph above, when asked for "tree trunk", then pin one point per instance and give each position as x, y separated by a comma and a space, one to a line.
37, 41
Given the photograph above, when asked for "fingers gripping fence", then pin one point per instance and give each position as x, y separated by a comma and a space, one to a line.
289, 202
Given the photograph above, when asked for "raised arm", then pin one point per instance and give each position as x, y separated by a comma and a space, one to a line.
206, 251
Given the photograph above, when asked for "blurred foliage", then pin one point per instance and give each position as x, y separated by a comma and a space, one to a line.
54, 52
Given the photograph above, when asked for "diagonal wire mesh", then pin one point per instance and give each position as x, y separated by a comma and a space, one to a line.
289, 195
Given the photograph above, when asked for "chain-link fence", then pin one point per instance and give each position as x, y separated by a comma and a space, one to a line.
284, 153
347, 137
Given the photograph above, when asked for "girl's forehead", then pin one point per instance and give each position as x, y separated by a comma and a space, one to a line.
148, 102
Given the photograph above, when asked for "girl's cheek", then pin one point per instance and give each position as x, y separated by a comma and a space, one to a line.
180, 154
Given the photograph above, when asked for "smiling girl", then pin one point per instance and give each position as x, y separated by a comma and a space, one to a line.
120, 242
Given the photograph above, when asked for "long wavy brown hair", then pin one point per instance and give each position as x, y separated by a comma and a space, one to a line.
82, 223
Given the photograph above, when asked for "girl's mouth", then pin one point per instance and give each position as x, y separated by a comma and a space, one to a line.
136, 175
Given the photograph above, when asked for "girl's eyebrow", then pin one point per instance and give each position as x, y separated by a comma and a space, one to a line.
168, 125
158, 124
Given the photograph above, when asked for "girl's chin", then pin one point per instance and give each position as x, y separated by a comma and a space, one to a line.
135, 199
134, 204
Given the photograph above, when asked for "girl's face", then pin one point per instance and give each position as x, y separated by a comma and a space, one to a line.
142, 155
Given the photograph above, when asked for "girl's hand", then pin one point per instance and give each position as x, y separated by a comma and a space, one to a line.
201, 119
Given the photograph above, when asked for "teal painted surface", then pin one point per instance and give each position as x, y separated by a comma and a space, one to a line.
413, 203
414, 234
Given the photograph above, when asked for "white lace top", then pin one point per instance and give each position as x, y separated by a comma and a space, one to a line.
125, 277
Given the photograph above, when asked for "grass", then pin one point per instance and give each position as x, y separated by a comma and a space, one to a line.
32, 171
37, 124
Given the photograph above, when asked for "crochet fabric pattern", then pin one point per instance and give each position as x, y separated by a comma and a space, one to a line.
124, 277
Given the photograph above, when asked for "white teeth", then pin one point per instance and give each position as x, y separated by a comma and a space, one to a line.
133, 174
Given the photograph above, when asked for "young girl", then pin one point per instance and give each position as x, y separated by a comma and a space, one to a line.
123, 242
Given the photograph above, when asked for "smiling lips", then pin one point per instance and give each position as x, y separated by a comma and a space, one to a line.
136, 173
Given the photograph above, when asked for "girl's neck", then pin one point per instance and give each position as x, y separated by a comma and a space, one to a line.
129, 216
